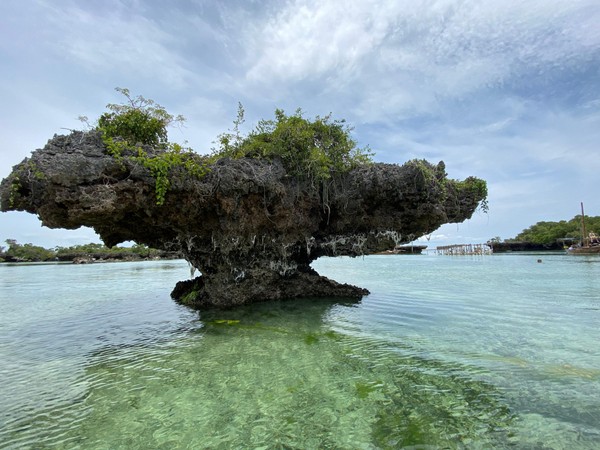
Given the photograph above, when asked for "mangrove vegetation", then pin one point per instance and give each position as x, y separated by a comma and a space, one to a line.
15, 252
545, 232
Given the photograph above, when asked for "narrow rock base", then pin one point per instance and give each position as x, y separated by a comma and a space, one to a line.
207, 292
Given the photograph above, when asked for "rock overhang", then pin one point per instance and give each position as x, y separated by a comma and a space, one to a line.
247, 225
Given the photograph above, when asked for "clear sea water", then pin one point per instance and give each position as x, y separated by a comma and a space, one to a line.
446, 352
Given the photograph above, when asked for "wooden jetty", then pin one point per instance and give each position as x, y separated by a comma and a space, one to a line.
464, 249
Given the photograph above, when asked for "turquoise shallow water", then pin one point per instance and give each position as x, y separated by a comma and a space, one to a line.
447, 352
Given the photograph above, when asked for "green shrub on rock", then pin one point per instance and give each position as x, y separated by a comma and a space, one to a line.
139, 121
312, 149
130, 127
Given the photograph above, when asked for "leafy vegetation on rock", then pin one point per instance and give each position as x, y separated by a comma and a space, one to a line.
129, 129
27, 174
476, 186
436, 178
311, 149
314, 150
138, 121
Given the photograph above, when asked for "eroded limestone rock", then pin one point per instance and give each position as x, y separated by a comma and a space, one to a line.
251, 229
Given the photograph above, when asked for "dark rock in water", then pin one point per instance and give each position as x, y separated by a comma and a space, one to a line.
503, 247
249, 227
83, 260
270, 287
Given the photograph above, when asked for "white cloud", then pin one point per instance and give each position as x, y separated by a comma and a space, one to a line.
117, 40
307, 40
407, 56
504, 90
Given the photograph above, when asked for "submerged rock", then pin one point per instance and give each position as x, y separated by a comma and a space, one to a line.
248, 226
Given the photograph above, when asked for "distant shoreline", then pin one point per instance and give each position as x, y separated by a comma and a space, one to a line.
93, 260
81, 254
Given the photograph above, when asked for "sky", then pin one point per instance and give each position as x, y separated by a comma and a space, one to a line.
505, 90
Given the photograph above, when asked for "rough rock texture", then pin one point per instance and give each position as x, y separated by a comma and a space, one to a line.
249, 228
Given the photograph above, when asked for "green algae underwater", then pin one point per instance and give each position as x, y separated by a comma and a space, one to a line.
447, 352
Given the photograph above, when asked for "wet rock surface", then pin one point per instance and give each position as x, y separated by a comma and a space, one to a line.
250, 228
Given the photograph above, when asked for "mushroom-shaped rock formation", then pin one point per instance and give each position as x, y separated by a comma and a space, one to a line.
247, 225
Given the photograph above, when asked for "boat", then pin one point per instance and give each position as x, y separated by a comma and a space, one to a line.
589, 245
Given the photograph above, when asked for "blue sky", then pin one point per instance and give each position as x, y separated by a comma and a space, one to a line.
506, 90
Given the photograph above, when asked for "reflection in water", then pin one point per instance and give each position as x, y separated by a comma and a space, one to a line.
277, 374
464, 360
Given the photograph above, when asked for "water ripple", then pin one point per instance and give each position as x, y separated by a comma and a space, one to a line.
445, 352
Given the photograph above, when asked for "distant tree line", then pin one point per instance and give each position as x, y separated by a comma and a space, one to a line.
551, 232
15, 252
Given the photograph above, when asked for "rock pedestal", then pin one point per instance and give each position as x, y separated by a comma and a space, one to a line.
250, 228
